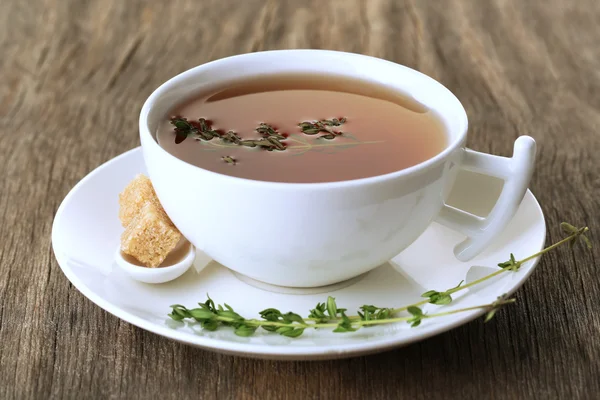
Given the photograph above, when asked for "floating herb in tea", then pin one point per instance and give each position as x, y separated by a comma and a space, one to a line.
229, 160
324, 125
271, 139
202, 130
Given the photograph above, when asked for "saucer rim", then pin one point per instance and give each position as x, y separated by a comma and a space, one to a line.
260, 350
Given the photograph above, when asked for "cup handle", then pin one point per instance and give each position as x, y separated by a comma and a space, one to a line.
516, 173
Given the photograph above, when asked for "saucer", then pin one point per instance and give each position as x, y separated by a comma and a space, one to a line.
86, 231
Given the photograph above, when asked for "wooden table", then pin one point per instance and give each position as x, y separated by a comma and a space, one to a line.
74, 75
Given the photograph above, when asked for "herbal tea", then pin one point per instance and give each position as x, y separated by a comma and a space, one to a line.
302, 129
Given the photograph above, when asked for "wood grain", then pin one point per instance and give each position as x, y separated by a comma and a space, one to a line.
74, 75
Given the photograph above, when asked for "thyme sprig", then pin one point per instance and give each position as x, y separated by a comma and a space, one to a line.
270, 138
329, 315
211, 316
203, 130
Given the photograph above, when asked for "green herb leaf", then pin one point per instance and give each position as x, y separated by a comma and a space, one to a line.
416, 311
245, 330
417, 314
200, 314
282, 330
415, 323
342, 329
496, 305
568, 228
210, 303
210, 325
328, 136
345, 325
270, 314
183, 129
175, 316
489, 315
512, 264
270, 328
179, 312
442, 299
305, 124
311, 131
369, 308
229, 160
276, 143
318, 313
295, 332
181, 124
331, 307
586, 241
383, 313
290, 317
230, 314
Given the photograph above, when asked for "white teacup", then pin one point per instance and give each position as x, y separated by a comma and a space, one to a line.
307, 235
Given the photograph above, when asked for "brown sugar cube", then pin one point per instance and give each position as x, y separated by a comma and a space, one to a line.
134, 196
150, 236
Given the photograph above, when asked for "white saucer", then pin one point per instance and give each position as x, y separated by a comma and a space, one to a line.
86, 231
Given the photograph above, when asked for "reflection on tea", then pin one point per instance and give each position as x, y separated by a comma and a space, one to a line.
302, 129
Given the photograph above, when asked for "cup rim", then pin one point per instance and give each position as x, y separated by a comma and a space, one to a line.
403, 173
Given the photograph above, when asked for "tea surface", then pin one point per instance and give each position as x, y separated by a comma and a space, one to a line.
366, 130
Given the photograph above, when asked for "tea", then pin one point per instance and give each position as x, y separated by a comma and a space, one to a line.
302, 129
